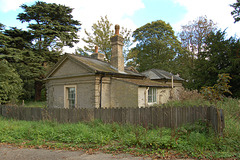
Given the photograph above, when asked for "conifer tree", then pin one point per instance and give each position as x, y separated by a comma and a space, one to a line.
52, 27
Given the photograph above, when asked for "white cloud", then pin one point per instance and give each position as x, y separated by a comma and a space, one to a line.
89, 11
217, 10
9, 5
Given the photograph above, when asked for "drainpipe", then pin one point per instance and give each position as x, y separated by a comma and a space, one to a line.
100, 100
100, 96
146, 92
171, 92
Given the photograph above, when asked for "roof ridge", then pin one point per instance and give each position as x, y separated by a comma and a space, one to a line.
78, 55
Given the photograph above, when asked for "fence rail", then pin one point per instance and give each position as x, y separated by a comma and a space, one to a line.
171, 117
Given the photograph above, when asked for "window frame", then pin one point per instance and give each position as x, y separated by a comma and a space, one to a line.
152, 95
66, 96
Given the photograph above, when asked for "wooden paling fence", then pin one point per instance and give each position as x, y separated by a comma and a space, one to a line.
171, 117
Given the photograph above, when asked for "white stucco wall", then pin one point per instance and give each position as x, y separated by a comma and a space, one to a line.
162, 96
142, 99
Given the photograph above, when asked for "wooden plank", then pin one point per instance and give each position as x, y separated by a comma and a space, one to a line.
4, 111
129, 115
91, 114
114, 115
102, 115
165, 117
154, 114
97, 113
123, 116
14, 113
80, 114
77, 117
118, 112
21, 113
168, 117
137, 117
199, 113
173, 118
142, 118
192, 114
51, 114
179, 117
28, 116
56, 114
183, 116
109, 116
160, 117
71, 115
146, 117
126, 115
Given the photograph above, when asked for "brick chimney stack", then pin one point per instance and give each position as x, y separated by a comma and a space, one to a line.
117, 59
97, 55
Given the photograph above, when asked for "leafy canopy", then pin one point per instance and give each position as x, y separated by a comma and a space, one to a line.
194, 33
10, 83
100, 36
221, 55
236, 12
193, 36
51, 24
156, 46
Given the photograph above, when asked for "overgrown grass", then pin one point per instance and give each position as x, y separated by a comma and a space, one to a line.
41, 104
196, 141
188, 103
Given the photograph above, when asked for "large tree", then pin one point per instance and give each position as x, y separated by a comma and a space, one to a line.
236, 11
16, 49
194, 34
52, 27
221, 55
156, 46
10, 81
19, 46
100, 36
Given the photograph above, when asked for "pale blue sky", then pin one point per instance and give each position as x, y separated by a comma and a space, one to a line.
134, 13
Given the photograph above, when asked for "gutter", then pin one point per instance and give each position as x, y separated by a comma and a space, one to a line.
119, 74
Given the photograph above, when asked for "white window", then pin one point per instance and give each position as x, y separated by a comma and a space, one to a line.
70, 99
152, 95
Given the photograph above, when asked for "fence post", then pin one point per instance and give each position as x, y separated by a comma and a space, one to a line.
221, 123
0, 110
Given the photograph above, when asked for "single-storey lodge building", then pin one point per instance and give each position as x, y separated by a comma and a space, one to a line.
90, 82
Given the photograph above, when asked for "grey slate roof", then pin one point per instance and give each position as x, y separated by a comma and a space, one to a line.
101, 66
157, 74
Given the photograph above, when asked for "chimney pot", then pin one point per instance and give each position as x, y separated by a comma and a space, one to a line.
117, 27
97, 55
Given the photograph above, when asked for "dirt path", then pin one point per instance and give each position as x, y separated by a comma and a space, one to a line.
8, 152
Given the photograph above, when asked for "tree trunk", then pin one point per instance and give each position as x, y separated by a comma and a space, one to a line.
38, 88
